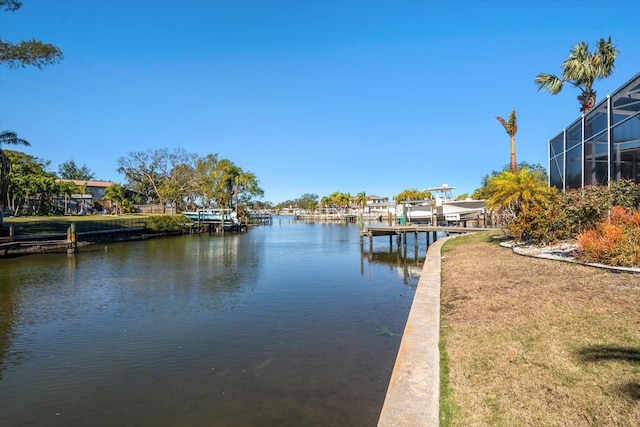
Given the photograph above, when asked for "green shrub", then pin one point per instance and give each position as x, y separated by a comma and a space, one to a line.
583, 208
625, 193
572, 212
538, 224
165, 223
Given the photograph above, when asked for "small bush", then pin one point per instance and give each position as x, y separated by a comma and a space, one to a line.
615, 241
625, 193
582, 209
165, 223
536, 224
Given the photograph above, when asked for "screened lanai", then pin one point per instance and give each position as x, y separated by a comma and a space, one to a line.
602, 145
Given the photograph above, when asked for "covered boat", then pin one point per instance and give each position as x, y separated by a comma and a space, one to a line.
212, 215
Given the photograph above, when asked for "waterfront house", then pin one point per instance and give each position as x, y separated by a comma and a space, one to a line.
380, 206
89, 197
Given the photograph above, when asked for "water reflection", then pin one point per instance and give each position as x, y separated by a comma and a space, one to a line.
270, 327
120, 280
8, 314
407, 268
406, 259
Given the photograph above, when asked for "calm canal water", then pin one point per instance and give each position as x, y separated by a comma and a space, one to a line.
285, 325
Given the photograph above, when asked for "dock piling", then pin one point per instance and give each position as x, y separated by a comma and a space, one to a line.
72, 239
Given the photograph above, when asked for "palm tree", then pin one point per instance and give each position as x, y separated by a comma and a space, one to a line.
340, 199
325, 202
226, 172
116, 194
581, 69
509, 191
6, 138
361, 199
245, 181
512, 128
412, 194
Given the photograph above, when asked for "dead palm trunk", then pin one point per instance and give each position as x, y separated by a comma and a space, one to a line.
512, 162
587, 100
512, 128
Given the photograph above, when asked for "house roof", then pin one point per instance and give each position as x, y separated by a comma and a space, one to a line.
80, 182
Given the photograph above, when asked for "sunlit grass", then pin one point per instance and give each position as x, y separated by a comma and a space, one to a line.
449, 408
482, 236
535, 342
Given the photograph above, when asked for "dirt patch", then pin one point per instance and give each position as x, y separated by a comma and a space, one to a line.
535, 342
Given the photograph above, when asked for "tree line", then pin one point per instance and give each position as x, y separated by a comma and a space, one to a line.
175, 178
27, 188
186, 180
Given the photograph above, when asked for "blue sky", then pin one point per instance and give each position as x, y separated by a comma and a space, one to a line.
312, 96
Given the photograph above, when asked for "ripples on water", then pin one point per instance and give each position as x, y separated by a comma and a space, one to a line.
288, 324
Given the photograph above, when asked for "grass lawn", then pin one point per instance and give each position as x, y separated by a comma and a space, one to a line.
532, 342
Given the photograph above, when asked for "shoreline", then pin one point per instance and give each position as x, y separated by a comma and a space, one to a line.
413, 395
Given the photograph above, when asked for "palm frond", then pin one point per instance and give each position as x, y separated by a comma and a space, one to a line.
607, 54
579, 70
11, 138
510, 126
579, 52
549, 82
513, 124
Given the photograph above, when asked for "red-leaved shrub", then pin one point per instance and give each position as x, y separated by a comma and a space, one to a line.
614, 241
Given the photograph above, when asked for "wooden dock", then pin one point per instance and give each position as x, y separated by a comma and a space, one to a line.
260, 216
20, 245
212, 227
327, 217
400, 232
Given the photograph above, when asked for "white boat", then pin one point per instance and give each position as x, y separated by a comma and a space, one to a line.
416, 210
449, 209
212, 215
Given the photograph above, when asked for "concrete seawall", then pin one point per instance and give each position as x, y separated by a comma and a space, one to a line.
414, 389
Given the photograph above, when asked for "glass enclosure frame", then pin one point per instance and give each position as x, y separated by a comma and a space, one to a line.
601, 146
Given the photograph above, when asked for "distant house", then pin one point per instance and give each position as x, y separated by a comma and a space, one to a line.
379, 205
93, 191
375, 205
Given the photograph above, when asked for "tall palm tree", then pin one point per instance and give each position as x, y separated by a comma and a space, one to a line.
361, 200
512, 128
6, 138
581, 69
